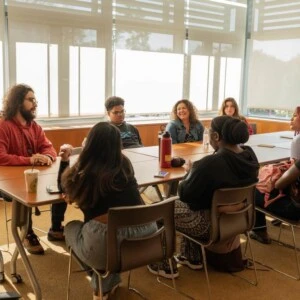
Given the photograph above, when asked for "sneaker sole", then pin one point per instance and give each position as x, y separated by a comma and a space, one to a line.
54, 239
188, 264
35, 252
191, 266
162, 273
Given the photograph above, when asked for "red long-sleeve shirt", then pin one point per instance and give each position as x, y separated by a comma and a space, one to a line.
18, 143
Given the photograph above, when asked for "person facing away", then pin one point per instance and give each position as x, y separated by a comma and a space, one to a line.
230, 108
185, 125
102, 178
231, 165
295, 126
129, 134
23, 142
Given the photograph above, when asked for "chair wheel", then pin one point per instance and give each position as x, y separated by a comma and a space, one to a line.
16, 278
2, 277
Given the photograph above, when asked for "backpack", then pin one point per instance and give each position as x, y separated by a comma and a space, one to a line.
267, 177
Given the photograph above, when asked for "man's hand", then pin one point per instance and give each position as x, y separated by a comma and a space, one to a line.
40, 160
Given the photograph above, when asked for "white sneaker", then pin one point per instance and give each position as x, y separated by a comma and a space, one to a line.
180, 259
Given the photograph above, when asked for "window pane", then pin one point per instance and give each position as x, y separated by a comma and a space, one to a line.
274, 53
148, 81
92, 81
149, 54
32, 69
48, 30
215, 49
230, 76
1, 71
1, 50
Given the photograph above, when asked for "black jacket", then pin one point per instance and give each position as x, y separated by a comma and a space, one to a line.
222, 169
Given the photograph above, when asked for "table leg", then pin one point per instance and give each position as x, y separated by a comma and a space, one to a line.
20, 217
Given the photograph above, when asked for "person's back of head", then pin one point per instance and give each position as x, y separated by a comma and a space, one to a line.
99, 168
14, 99
113, 101
102, 145
230, 130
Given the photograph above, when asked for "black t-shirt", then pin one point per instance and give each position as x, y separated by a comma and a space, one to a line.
130, 136
127, 197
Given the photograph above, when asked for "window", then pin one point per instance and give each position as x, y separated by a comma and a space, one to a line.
215, 48
273, 88
152, 53
2, 28
58, 48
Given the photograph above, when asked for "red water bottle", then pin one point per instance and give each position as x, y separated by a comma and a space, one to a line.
165, 150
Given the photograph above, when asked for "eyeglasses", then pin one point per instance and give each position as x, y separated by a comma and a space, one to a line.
121, 112
32, 100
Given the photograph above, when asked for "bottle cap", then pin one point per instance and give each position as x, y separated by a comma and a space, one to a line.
166, 134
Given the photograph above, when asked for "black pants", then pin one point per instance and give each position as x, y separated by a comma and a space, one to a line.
57, 214
282, 207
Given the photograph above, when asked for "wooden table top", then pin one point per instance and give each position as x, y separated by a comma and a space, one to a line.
177, 149
145, 164
16, 188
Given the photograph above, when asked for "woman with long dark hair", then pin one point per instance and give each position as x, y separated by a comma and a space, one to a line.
101, 178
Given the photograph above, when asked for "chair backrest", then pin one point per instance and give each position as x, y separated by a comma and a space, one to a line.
232, 212
132, 253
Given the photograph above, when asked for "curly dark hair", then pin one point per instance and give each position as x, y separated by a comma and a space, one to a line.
191, 108
14, 99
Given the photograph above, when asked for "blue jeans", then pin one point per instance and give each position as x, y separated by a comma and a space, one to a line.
88, 241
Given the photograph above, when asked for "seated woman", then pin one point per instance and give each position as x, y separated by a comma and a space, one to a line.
295, 126
282, 207
230, 108
239, 167
101, 178
185, 126
285, 207
231, 165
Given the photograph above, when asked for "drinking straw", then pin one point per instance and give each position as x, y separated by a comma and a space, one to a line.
33, 165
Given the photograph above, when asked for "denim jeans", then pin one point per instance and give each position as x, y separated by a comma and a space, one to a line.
88, 241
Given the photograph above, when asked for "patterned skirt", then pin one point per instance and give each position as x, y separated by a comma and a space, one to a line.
195, 224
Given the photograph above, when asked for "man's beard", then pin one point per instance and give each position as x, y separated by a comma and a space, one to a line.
28, 115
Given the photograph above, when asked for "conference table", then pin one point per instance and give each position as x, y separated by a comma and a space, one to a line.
146, 165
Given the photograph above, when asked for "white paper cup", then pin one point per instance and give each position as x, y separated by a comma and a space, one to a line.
31, 180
